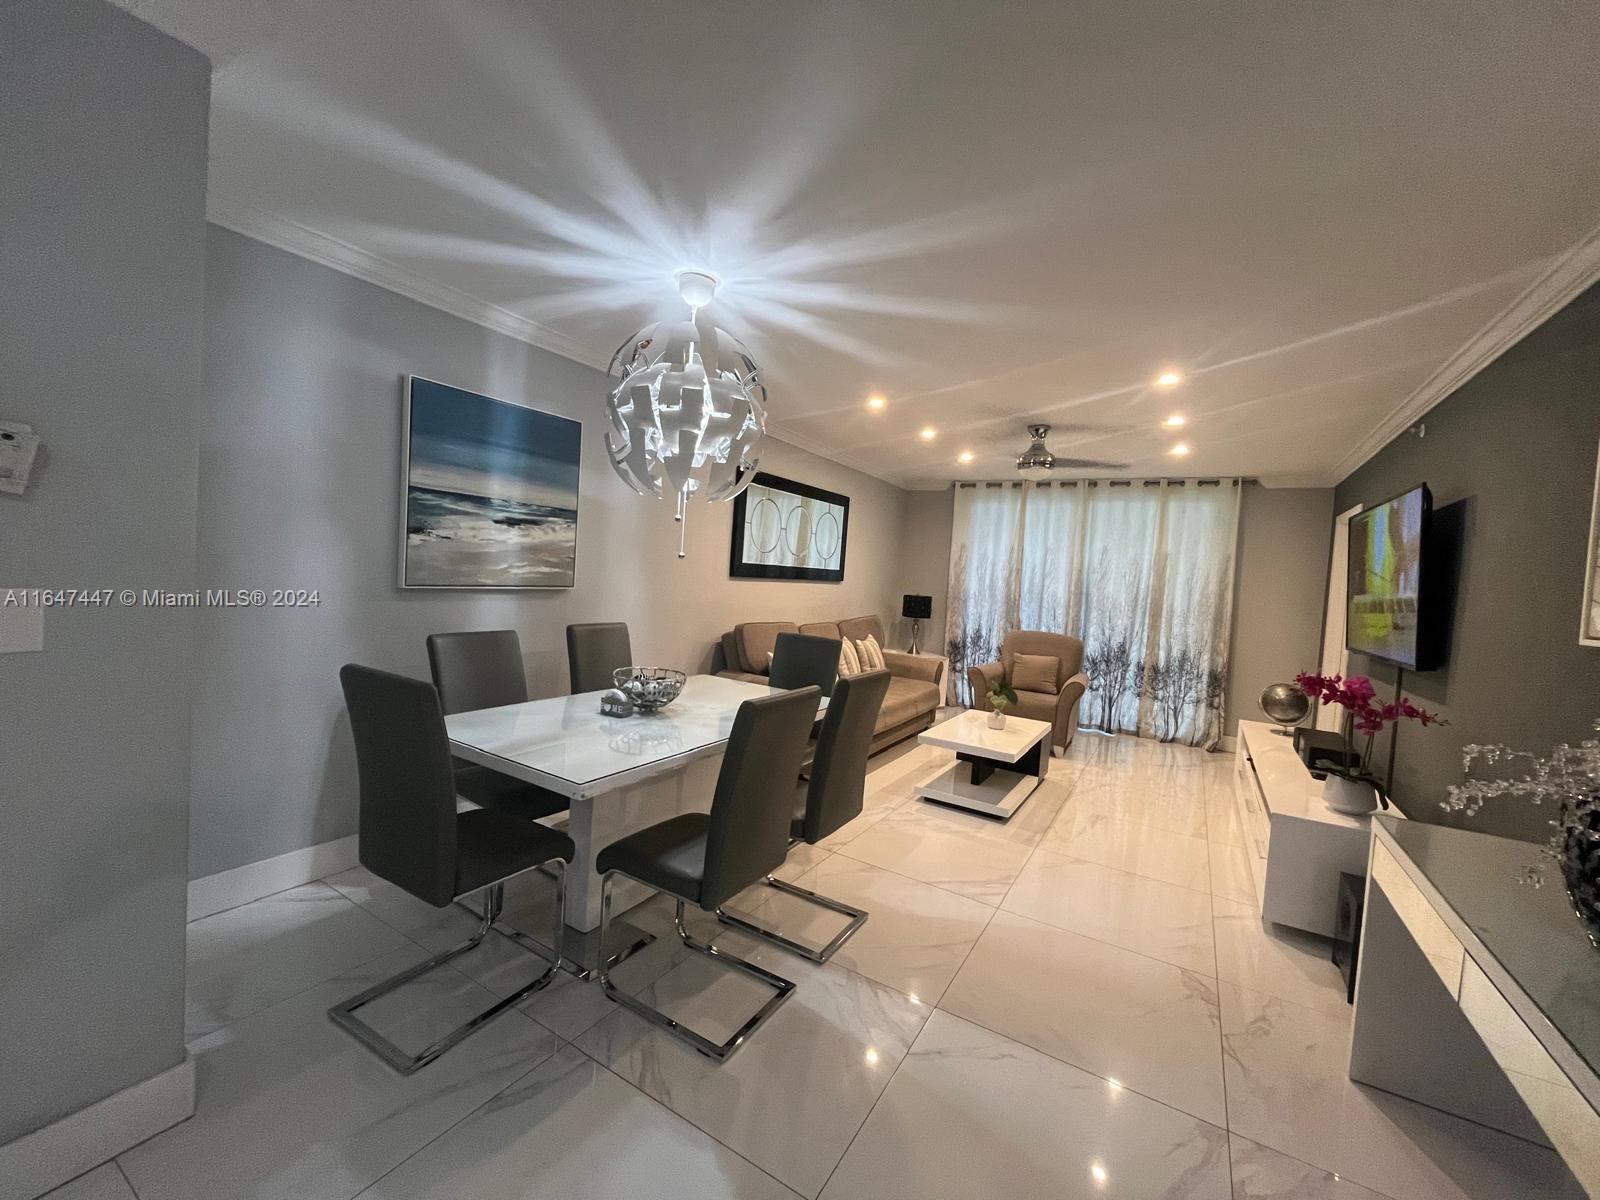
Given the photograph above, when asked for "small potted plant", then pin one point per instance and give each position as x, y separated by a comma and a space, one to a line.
1354, 789
1001, 697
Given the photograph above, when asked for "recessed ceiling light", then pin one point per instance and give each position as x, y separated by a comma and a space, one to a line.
928, 433
1169, 379
1178, 451
1174, 421
964, 457
876, 403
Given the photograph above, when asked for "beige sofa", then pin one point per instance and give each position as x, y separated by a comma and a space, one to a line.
1058, 706
916, 684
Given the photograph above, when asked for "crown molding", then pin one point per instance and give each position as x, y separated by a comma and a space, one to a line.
1571, 272
255, 222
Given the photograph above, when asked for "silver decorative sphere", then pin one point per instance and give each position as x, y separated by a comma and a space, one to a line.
1285, 703
687, 411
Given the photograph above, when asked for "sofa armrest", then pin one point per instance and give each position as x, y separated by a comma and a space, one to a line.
913, 666
1066, 722
982, 678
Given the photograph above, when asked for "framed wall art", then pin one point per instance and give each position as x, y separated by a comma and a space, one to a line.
1589, 628
489, 492
788, 530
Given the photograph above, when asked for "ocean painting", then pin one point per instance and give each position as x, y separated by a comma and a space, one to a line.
491, 492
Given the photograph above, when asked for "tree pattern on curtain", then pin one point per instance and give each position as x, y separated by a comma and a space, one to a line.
1142, 572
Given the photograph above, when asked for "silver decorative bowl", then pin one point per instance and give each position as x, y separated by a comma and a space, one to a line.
1286, 704
649, 688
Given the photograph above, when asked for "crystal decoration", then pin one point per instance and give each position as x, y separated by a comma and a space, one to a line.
1569, 777
688, 410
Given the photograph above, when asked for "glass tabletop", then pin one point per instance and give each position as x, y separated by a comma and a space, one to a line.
1532, 932
567, 744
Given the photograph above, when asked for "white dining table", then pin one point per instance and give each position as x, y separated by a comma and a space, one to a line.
621, 774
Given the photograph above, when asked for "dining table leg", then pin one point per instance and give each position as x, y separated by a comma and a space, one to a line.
597, 821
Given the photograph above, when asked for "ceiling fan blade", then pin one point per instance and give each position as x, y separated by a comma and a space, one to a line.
1089, 464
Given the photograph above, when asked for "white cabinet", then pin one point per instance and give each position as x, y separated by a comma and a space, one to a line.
1297, 845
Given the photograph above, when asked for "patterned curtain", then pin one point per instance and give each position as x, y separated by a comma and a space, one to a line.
1142, 572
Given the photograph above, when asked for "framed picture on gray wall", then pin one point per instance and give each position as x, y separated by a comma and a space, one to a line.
489, 492
788, 530
1589, 630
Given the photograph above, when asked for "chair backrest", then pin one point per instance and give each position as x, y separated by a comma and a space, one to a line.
754, 640
594, 651
839, 767
754, 801
408, 796
1067, 649
481, 669
800, 660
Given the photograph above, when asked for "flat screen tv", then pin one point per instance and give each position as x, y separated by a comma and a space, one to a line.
1388, 613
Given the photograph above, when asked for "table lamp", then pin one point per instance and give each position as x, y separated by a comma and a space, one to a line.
917, 609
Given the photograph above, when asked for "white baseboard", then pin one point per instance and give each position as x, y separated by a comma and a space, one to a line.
42, 1160
241, 885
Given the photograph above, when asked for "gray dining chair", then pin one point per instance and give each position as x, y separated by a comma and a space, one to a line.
480, 669
594, 652
804, 660
411, 835
831, 799
707, 858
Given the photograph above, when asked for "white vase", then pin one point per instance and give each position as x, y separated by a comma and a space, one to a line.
1353, 796
997, 720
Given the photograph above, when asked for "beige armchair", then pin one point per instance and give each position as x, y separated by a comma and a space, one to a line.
1059, 707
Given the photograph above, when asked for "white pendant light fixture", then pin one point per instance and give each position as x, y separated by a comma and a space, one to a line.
688, 411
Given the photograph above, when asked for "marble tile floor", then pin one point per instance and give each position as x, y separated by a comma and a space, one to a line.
1082, 1003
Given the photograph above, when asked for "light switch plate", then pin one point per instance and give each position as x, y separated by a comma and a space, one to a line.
21, 629
18, 445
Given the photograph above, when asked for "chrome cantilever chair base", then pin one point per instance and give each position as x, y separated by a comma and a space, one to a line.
858, 918
407, 1064
780, 986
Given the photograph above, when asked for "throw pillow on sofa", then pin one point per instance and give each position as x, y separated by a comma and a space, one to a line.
1034, 672
870, 654
849, 660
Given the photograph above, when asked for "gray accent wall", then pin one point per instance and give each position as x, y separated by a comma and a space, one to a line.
102, 223
300, 486
1510, 459
1282, 577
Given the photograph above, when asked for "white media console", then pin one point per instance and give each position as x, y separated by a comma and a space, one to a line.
1297, 846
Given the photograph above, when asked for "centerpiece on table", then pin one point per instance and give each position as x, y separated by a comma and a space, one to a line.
1001, 697
1568, 777
1354, 789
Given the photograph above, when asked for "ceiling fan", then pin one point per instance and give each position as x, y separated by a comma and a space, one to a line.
1036, 462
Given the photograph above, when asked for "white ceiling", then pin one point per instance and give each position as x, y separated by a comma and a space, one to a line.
990, 213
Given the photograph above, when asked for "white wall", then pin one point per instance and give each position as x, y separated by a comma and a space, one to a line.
102, 222
1284, 539
300, 486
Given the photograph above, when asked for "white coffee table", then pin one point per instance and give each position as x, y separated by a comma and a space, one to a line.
995, 769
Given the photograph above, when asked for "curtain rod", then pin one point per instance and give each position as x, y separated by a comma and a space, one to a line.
1089, 483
